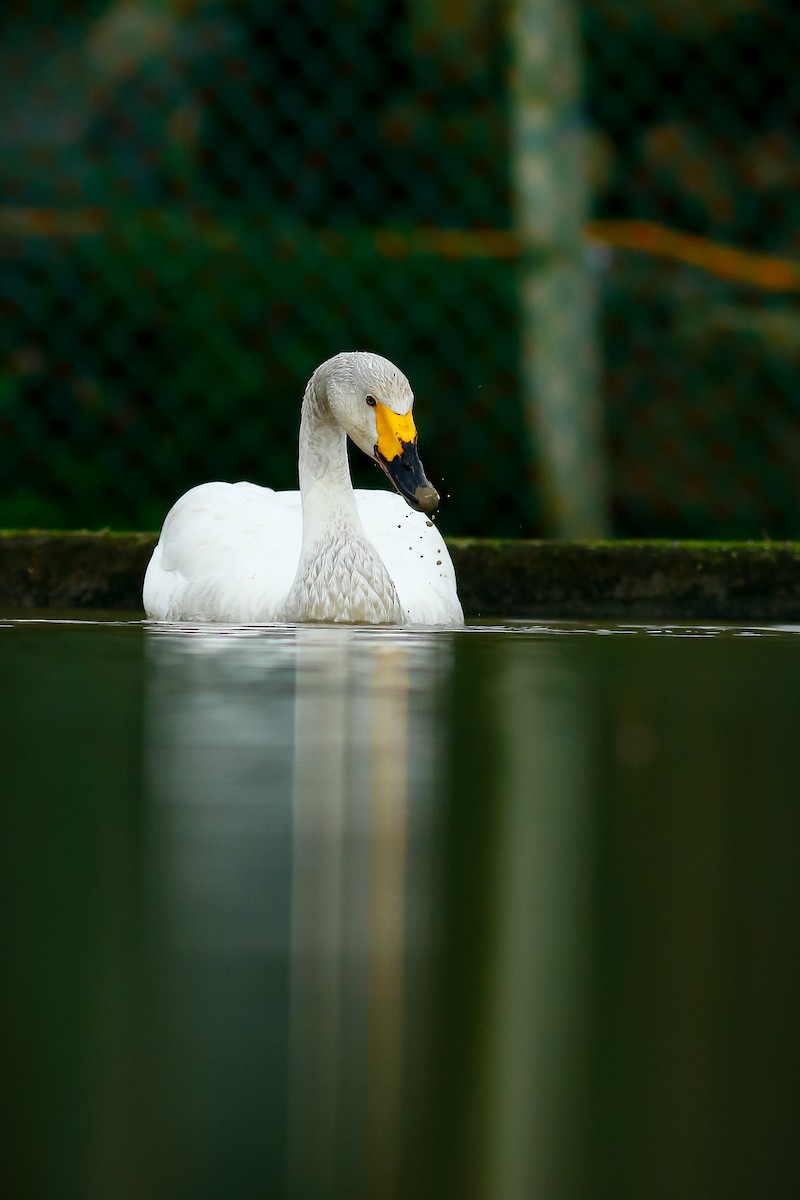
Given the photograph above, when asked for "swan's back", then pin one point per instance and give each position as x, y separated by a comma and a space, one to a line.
227, 552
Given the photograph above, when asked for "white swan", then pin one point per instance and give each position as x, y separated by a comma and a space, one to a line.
243, 554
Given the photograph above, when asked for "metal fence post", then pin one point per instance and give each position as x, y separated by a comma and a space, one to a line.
557, 304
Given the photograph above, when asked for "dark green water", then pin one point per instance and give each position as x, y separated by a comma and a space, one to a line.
331, 913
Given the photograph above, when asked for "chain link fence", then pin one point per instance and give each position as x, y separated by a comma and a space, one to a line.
202, 199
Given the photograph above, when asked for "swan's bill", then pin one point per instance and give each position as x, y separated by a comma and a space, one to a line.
396, 451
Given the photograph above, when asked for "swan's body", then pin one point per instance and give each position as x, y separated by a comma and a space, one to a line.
244, 554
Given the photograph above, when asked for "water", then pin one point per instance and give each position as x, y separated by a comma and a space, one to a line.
321, 913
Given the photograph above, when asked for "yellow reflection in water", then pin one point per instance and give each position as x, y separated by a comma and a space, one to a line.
353, 745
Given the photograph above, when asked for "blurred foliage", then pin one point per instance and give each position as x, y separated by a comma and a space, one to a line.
225, 165
192, 357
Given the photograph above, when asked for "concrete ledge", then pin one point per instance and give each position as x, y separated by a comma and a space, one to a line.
77, 569
727, 581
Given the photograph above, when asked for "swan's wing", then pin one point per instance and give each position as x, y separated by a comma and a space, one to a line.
416, 558
227, 552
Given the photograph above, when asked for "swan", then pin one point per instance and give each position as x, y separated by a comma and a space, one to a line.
242, 554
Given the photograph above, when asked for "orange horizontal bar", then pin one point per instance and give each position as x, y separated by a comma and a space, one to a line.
764, 271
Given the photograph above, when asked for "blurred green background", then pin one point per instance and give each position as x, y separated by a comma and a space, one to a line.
202, 199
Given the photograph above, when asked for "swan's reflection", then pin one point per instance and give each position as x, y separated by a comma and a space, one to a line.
294, 783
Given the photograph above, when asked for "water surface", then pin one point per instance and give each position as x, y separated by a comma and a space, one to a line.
506, 912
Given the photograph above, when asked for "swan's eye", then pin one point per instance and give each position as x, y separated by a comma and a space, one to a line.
371, 401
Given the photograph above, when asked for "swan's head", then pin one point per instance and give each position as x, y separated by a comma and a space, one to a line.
372, 402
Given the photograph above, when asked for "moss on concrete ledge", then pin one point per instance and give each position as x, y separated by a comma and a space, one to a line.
78, 569
729, 581
733, 581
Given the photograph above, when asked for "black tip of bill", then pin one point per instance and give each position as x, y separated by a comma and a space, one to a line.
408, 476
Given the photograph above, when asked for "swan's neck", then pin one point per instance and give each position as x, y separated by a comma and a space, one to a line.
325, 485
340, 575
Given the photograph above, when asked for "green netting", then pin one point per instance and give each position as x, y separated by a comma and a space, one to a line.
202, 200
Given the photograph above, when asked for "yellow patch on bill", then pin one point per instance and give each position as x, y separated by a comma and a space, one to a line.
393, 430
